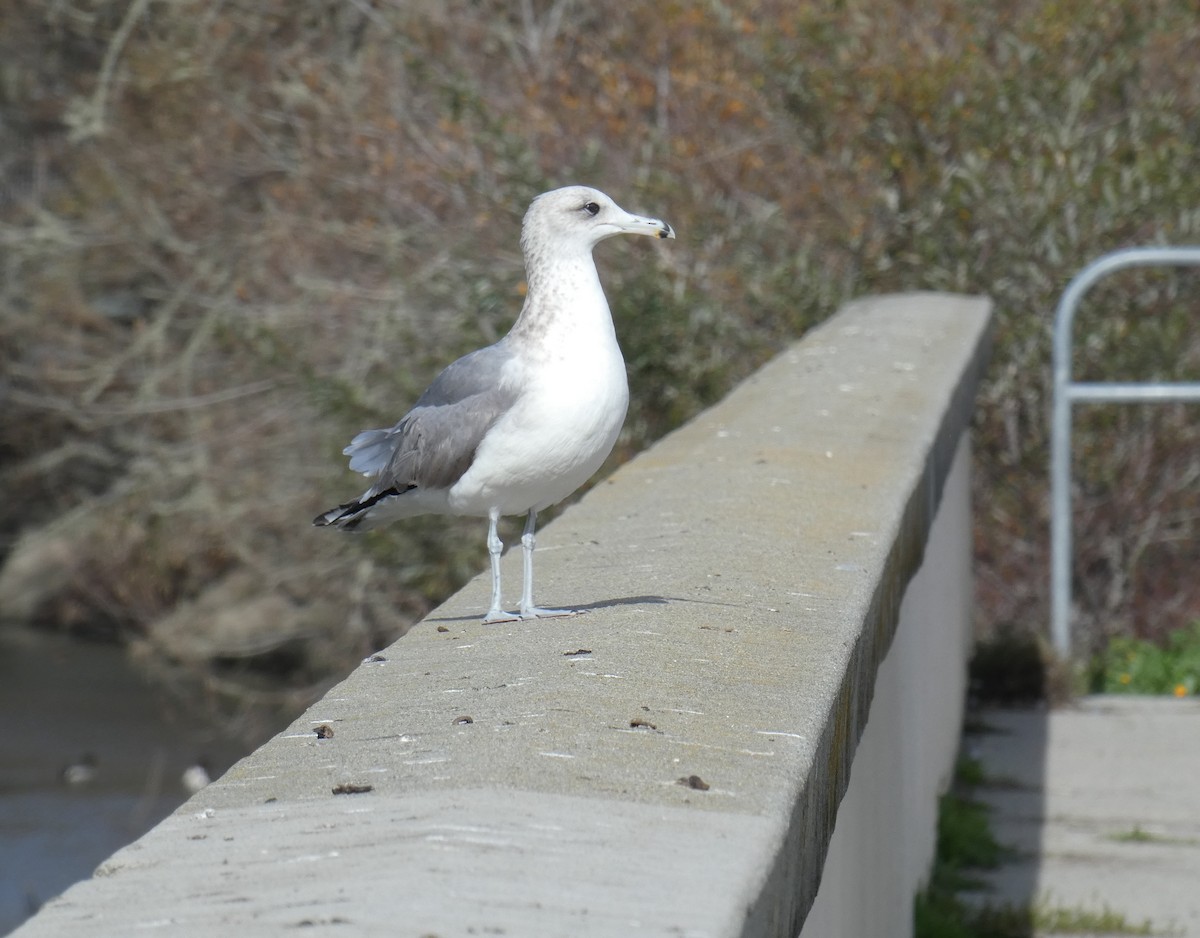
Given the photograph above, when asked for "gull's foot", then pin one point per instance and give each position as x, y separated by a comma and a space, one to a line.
536, 613
499, 615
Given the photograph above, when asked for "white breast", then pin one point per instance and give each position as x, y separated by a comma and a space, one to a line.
557, 434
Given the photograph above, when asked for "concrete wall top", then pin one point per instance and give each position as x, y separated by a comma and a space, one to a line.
669, 763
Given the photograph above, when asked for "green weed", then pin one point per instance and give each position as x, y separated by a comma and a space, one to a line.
966, 847
1057, 920
1136, 666
1135, 835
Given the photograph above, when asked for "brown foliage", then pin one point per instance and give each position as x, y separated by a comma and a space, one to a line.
236, 233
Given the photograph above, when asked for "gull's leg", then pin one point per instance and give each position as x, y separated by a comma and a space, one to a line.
528, 609
495, 549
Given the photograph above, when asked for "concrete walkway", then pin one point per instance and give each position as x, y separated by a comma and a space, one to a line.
1101, 800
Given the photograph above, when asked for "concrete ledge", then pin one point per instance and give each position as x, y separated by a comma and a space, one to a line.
743, 579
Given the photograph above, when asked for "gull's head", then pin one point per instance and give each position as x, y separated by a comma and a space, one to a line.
582, 217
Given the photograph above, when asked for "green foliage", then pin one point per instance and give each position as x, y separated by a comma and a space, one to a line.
944, 916
1137, 666
940, 915
965, 844
1056, 920
968, 772
1136, 835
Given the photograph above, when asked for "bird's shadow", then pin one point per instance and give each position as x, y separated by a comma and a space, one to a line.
585, 607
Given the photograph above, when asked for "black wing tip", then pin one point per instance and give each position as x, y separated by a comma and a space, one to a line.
350, 516
346, 517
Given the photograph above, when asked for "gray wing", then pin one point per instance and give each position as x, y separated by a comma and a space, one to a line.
435, 442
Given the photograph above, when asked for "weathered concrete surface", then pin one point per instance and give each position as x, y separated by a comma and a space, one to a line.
742, 580
1102, 802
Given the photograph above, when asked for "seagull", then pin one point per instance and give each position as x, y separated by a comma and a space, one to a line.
517, 426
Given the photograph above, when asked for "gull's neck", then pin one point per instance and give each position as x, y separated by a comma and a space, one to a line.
563, 296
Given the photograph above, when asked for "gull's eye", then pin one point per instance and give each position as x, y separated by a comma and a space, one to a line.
591, 208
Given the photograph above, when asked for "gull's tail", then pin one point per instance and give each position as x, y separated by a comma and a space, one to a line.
370, 453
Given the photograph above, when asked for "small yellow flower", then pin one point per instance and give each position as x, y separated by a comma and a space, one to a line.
1126, 677
1181, 690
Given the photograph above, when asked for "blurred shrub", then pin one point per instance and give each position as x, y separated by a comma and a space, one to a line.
1007, 669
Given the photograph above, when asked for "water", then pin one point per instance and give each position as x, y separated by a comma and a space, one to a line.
63, 703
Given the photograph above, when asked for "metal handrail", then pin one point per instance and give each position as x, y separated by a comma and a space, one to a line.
1067, 392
